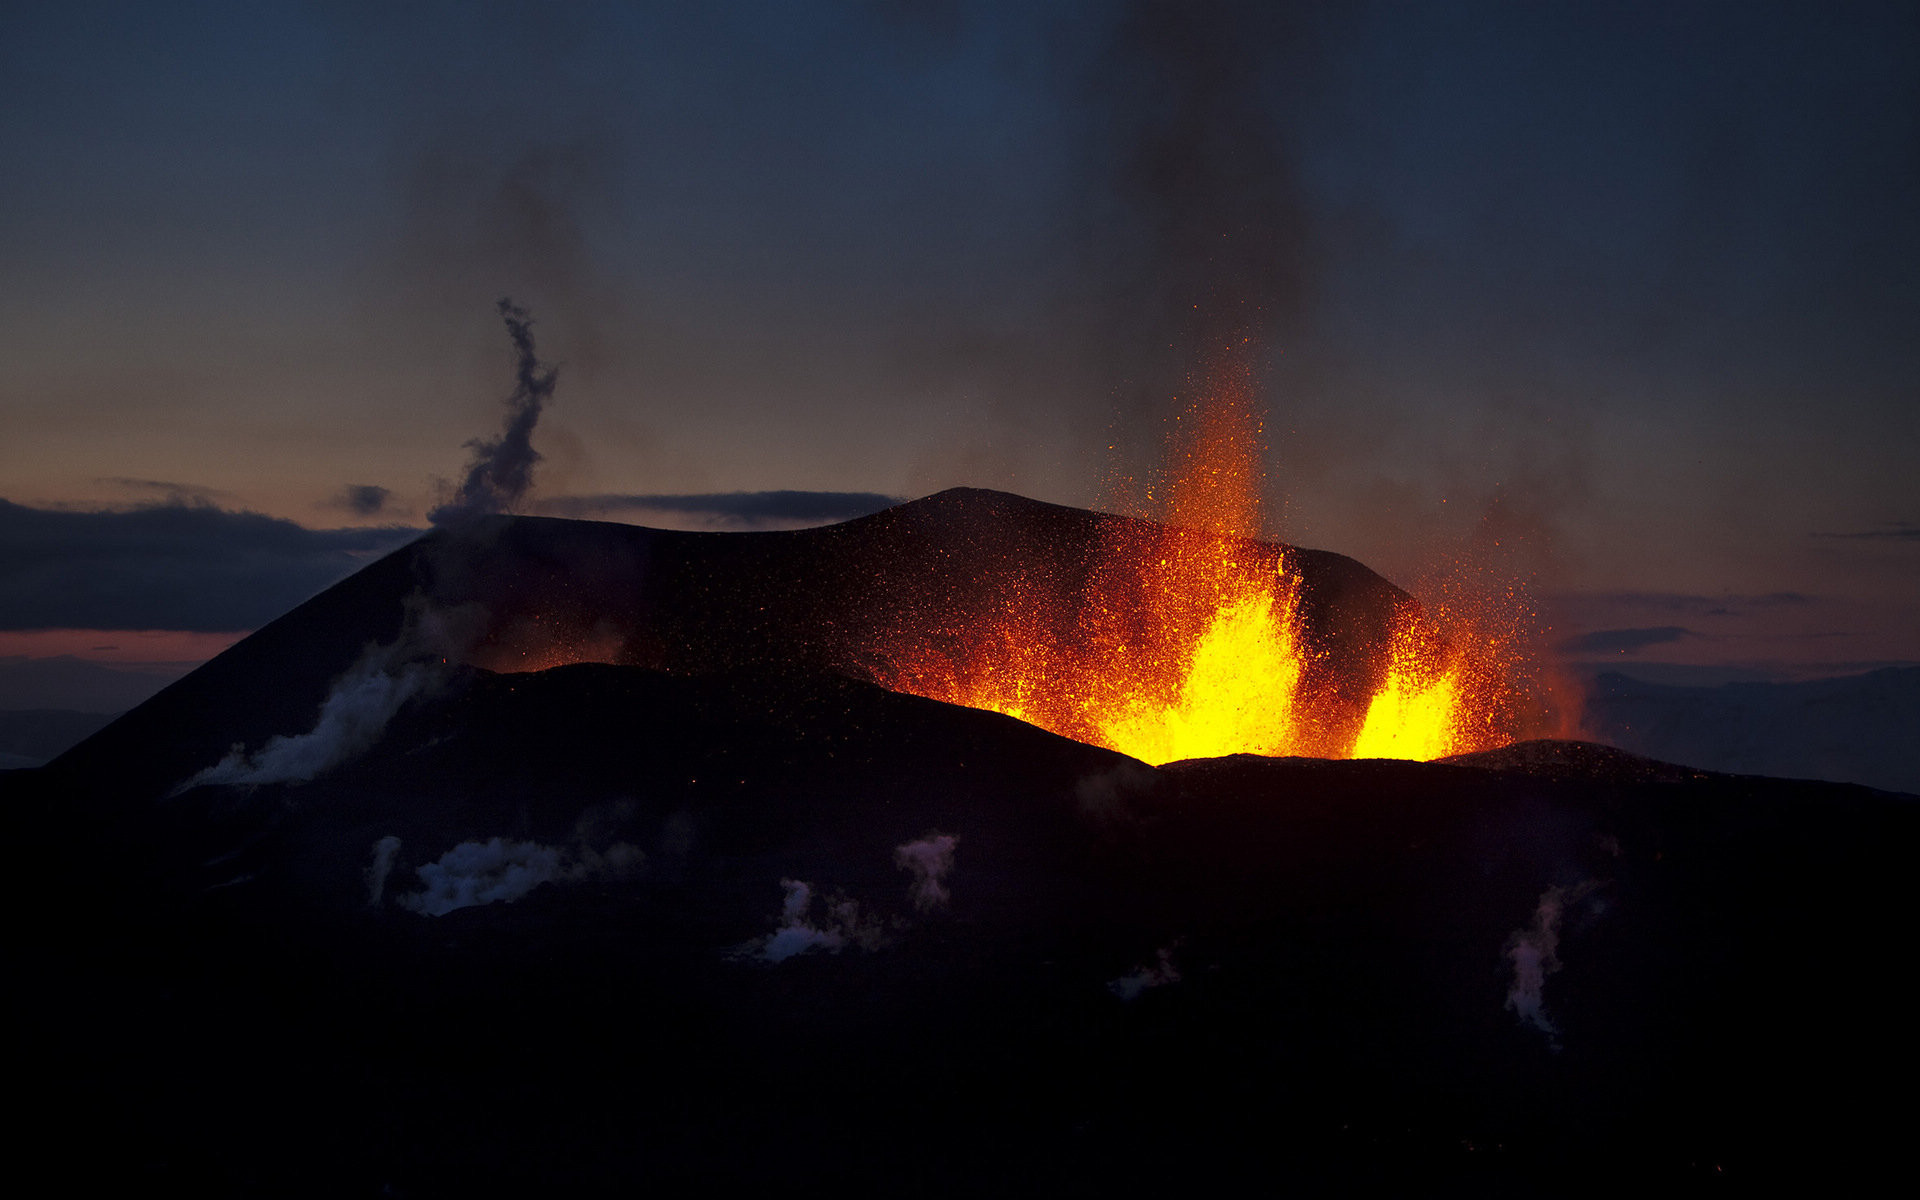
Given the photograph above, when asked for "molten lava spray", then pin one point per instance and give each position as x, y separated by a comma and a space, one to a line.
1189, 640
1171, 633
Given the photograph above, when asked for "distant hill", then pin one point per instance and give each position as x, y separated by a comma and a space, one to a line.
80, 685
1855, 729
29, 737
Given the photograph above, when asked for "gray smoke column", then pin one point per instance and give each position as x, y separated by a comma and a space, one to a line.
502, 469
1201, 257
1200, 156
1211, 238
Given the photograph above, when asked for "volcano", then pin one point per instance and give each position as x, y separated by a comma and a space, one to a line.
592, 858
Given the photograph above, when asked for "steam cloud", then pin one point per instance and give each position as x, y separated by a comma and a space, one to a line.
501, 871
1535, 954
930, 859
361, 702
1107, 795
352, 718
1158, 973
842, 925
482, 873
502, 469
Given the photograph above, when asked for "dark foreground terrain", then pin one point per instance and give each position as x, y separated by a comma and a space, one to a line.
1139, 978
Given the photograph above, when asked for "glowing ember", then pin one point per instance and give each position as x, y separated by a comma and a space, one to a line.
1195, 654
539, 644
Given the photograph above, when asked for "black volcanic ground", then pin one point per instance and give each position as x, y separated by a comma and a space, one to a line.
1286, 970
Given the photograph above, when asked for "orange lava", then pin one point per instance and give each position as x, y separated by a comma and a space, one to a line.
1419, 712
539, 644
1189, 640
1187, 647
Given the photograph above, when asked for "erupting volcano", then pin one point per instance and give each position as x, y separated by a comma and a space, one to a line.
1187, 638
616, 817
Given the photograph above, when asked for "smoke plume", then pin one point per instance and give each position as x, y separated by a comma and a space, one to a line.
930, 859
351, 720
1198, 157
1204, 249
502, 469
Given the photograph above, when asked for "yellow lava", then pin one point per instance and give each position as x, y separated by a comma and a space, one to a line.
1411, 719
1237, 693
1187, 641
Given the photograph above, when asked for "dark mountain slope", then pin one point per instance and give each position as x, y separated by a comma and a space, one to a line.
1138, 978
516, 593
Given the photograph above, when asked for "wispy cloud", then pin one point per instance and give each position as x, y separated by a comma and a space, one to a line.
1623, 641
1691, 603
361, 499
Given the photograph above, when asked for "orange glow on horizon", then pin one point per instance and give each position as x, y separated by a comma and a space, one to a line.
126, 647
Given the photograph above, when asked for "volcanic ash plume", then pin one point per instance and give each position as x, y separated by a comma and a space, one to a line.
502, 469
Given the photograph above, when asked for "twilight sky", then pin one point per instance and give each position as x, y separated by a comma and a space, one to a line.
1648, 274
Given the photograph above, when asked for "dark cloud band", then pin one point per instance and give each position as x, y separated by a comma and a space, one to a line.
1623, 641
1899, 531
185, 567
362, 499
744, 508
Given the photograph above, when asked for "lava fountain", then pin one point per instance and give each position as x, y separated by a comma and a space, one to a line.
1189, 639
